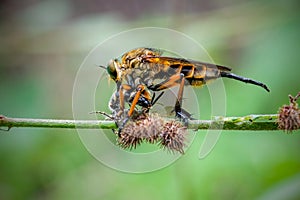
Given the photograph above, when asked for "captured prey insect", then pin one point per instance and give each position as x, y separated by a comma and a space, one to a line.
143, 70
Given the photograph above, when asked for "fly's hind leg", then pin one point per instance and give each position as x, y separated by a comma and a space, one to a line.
179, 111
171, 82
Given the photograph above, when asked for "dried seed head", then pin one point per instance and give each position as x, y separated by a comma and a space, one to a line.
152, 128
289, 115
144, 127
127, 139
173, 136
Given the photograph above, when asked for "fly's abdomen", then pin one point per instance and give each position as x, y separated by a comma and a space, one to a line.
200, 74
204, 72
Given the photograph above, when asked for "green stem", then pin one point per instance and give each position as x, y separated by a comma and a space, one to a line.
250, 122
55, 123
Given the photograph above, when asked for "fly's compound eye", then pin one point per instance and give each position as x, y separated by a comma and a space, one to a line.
112, 69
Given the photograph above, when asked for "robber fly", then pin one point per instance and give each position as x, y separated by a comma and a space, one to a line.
143, 70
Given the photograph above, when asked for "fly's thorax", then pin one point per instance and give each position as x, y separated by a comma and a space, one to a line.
136, 55
141, 73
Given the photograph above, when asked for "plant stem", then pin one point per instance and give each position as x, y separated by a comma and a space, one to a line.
250, 122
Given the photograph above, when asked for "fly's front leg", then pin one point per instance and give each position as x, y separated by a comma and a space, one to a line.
114, 103
146, 97
138, 97
123, 88
140, 92
117, 105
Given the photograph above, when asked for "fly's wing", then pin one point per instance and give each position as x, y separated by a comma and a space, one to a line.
173, 62
195, 72
208, 65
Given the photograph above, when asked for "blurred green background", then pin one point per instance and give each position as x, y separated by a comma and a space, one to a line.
42, 46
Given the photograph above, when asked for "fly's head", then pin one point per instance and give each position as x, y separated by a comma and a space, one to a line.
114, 70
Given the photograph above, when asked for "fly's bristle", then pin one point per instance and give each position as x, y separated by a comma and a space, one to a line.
173, 136
289, 116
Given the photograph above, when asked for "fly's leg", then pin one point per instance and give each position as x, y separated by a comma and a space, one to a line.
123, 89
122, 117
178, 103
170, 82
140, 91
117, 101
114, 103
117, 106
154, 100
140, 97
179, 112
140, 94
